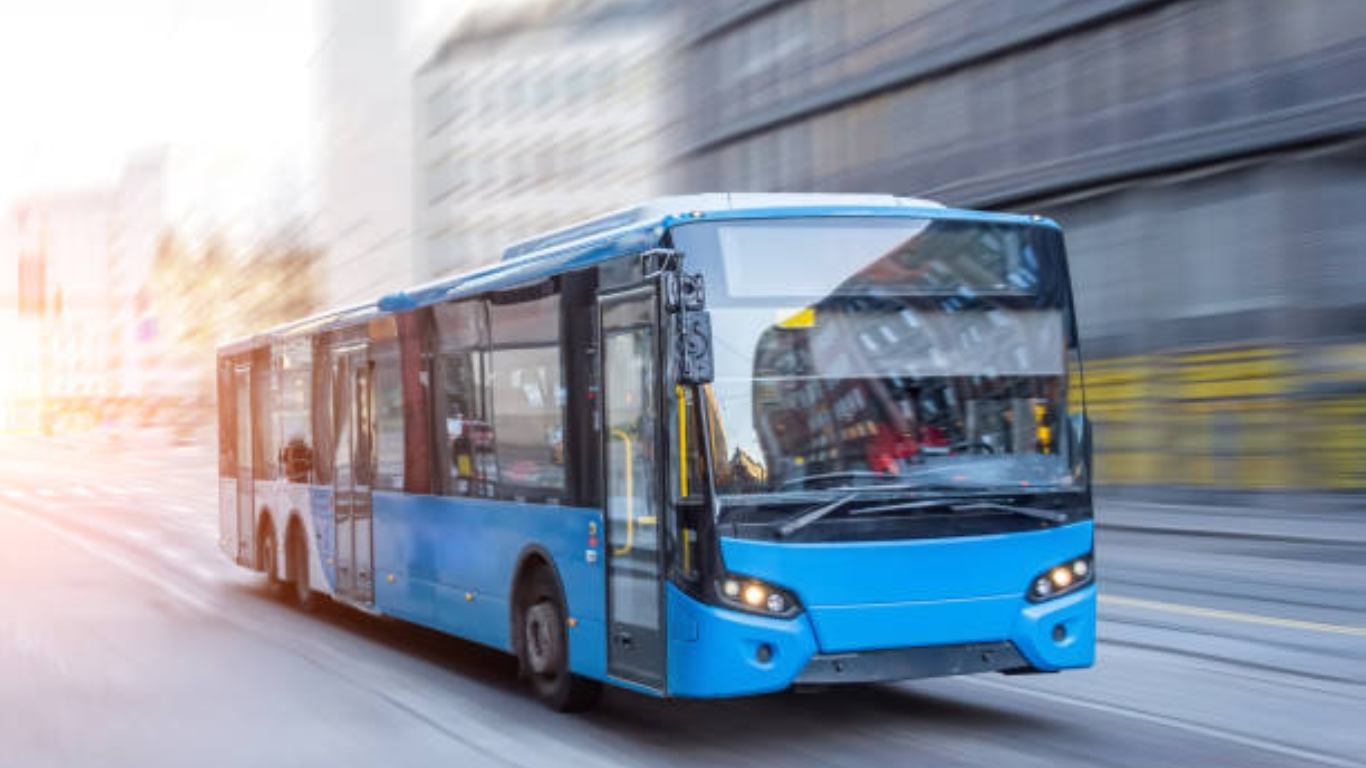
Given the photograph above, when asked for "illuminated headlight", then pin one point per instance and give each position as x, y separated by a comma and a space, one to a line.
755, 596
1062, 579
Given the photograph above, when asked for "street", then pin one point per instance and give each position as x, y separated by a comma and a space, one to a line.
128, 639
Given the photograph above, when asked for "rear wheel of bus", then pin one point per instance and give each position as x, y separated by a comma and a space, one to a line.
543, 648
301, 589
269, 558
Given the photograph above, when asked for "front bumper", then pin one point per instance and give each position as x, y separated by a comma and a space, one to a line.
716, 652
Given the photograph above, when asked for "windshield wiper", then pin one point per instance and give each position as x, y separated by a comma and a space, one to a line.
811, 516
818, 513
1052, 516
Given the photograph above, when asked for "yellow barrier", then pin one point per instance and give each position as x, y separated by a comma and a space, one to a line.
1239, 419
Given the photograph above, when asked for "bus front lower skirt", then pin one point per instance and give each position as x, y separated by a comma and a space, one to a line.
911, 663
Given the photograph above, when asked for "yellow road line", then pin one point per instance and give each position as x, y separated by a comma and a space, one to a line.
1247, 618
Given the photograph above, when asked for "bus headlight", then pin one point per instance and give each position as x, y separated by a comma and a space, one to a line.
1062, 579
755, 596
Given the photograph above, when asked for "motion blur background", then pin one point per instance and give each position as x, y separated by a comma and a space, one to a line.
175, 172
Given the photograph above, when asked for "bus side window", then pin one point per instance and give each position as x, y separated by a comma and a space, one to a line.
227, 435
526, 379
464, 436
296, 452
262, 406
321, 410
387, 400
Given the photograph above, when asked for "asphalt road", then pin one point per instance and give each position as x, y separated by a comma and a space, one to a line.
127, 639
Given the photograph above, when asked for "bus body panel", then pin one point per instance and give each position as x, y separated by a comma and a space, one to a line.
290, 502
866, 596
891, 594
713, 651
452, 563
227, 516
322, 542
901, 570
1076, 613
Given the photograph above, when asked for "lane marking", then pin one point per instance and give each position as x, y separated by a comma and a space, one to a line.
1247, 618
14, 493
1175, 724
117, 560
47, 493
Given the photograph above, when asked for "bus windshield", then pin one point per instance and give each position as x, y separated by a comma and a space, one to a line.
919, 354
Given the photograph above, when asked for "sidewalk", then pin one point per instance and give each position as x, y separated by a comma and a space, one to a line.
1291, 518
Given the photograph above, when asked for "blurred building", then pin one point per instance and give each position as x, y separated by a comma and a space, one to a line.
137, 366
85, 343
362, 167
57, 358
1206, 159
532, 116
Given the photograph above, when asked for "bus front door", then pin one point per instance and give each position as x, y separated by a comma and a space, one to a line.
631, 445
246, 515
353, 467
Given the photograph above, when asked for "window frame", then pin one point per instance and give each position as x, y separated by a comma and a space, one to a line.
550, 319
441, 346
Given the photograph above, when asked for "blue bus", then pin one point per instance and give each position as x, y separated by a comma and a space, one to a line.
713, 445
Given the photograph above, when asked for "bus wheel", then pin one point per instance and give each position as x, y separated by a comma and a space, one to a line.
270, 560
544, 649
301, 590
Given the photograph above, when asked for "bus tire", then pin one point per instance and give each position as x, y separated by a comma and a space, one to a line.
301, 589
543, 648
269, 558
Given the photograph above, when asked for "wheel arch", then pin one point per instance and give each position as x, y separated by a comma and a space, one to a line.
295, 528
532, 557
265, 522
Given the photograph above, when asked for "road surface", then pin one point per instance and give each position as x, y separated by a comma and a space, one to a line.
127, 639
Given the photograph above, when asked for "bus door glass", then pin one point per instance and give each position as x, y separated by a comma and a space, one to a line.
242, 400
630, 373
354, 462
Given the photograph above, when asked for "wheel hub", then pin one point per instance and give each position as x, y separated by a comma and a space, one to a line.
542, 650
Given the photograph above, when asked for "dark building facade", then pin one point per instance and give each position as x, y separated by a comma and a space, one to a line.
1207, 159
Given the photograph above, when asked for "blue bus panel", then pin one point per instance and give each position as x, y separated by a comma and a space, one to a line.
449, 563
871, 596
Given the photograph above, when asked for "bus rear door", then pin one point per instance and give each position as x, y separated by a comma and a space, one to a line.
353, 403
246, 515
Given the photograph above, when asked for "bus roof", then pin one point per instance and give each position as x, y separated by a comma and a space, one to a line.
628, 230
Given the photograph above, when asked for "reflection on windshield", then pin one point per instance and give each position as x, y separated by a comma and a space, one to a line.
939, 358
964, 430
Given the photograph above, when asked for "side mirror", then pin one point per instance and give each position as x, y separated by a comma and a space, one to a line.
685, 296
695, 364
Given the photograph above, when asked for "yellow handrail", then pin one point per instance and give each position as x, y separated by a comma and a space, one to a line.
682, 443
630, 497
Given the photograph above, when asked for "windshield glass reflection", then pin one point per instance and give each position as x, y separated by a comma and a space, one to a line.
860, 352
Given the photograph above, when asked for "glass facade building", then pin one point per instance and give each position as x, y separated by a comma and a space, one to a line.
1203, 157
